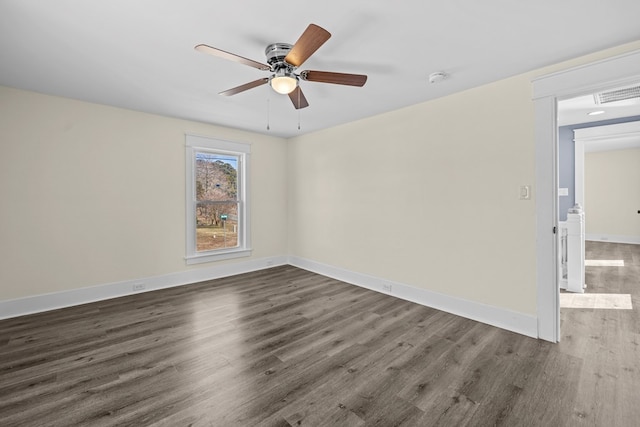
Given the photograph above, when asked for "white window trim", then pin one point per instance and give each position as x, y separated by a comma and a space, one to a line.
193, 144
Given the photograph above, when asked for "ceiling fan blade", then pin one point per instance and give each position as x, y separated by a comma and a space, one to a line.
312, 38
231, 57
298, 98
244, 87
335, 78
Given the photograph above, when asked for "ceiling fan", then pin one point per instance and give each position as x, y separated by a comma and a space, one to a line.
282, 61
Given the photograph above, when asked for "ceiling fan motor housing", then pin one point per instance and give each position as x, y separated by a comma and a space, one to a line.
276, 53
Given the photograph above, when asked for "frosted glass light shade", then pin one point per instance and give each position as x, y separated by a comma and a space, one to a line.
284, 84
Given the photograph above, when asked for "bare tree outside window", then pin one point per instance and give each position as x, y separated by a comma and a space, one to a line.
217, 203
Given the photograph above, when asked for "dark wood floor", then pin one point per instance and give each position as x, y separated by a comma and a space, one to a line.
286, 347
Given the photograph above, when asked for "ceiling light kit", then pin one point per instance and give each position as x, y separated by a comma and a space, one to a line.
283, 59
283, 80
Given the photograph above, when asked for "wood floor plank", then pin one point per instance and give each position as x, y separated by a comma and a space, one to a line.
549, 398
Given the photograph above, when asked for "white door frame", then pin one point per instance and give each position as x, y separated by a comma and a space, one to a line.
620, 134
547, 90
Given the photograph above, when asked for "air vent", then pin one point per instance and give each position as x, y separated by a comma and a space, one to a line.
617, 95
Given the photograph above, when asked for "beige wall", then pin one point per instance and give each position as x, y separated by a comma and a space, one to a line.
428, 195
612, 192
93, 194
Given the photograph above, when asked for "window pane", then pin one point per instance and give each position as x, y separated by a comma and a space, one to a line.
216, 225
216, 176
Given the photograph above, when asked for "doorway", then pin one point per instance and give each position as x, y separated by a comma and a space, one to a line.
614, 72
599, 169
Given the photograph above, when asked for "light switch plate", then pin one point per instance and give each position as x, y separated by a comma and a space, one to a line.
525, 192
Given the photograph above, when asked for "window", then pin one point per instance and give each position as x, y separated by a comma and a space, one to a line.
217, 205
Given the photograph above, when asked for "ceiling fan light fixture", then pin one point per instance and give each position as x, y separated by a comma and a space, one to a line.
283, 60
284, 82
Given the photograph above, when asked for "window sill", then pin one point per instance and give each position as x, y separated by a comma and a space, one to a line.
211, 257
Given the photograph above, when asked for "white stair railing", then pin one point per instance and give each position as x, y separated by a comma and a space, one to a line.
562, 254
571, 251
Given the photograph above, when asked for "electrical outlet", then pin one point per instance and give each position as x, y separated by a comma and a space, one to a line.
139, 287
386, 287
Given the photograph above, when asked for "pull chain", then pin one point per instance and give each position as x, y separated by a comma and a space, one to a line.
268, 119
299, 92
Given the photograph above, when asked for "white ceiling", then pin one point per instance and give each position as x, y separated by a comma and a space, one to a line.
138, 54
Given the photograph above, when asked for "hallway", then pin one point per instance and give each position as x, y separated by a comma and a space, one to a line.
607, 340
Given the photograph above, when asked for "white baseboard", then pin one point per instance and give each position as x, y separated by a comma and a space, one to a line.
612, 238
45, 302
502, 318
516, 322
